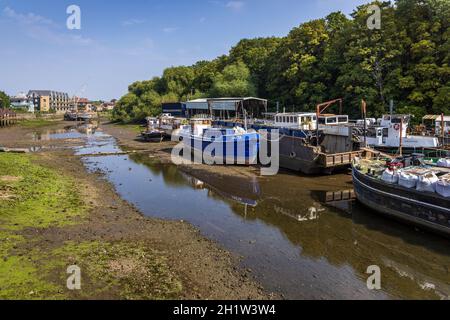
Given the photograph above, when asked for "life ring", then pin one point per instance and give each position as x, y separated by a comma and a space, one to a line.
397, 127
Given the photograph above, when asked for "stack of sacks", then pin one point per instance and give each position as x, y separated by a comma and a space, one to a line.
390, 176
443, 163
407, 180
427, 182
443, 186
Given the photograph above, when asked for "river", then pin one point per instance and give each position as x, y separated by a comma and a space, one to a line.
288, 229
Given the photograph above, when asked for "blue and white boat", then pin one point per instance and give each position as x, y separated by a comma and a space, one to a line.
222, 146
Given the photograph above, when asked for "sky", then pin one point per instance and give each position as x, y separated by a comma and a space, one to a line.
125, 41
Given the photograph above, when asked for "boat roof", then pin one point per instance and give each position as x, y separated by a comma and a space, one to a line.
203, 100
435, 117
296, 114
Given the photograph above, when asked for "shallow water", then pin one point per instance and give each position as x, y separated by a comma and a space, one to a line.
290, 233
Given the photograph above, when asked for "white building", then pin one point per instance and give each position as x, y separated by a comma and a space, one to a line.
22, 101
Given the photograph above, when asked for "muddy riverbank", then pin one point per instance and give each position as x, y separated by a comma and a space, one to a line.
301, 237
121, 253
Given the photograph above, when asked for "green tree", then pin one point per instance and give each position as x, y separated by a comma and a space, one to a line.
234, 81
4, 100
255, 54
297, 75
407, 60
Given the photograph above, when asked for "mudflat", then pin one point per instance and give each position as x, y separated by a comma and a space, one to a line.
55, 214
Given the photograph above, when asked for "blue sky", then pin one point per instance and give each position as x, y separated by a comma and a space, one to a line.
124, 41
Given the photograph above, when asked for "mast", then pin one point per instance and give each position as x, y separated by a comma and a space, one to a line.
401, 136
364, 111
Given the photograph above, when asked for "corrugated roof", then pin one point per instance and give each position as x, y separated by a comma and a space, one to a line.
203, 100
435, 117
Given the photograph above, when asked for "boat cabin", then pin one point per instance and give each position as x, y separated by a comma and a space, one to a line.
304, 121
433, 124
331, 119
200, 125
446, 126
393, 131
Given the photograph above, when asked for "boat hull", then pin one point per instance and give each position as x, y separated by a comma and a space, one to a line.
425, 210
231, 150
153, 136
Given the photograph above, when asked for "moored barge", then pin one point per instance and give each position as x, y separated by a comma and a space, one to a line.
428, 210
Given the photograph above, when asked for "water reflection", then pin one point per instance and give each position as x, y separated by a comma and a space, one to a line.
79, 131
300, 235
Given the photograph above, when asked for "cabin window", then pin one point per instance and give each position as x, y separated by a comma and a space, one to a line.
331, 120
322, 121
396, 120
385, 132
343, 120
371, 133
379, 132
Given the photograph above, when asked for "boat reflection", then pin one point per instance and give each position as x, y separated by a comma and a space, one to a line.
302, 236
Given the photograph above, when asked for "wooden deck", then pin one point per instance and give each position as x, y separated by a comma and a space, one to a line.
7, 118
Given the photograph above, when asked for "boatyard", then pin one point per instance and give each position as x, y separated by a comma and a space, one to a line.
256, 152
296, 236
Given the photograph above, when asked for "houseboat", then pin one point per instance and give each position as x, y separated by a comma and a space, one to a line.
405, 189
153, 133
172, 126
305, 149
391, 133
235, 146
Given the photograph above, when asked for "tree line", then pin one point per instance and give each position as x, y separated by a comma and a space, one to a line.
406, 60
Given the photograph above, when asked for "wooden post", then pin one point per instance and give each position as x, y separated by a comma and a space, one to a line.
364, 111
317, 124
401, 137
443, 129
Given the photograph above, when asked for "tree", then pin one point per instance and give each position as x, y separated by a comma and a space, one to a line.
255, 53
4, 100
234, 81
297, 75
407, 60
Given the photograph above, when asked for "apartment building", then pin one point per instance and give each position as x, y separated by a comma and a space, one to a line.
48, 100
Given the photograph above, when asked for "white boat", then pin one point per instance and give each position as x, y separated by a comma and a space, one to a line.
172, 126
392, 131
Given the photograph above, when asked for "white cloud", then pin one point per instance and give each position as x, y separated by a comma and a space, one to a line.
132, 22
29, 18
43, 29
235, 5
170, 29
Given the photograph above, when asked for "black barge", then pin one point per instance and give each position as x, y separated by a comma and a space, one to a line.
430, 211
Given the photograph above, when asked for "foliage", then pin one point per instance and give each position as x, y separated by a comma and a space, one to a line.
407, 60
4, 100
234, 81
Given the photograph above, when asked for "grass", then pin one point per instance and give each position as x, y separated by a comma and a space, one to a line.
38, 197
33, 196
133, 127
36, 123
122, 269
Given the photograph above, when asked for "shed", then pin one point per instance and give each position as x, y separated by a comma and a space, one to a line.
176, 109
227, 108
